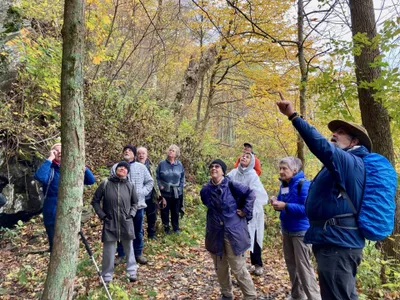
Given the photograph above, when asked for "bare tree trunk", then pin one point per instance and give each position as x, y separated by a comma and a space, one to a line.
201, 95
374, 115
303, 72
62, 269
193, 74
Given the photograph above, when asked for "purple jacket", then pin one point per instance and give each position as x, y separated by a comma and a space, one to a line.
222, 219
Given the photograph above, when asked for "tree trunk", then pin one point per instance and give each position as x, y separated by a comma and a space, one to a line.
374, 115
303, 74
62, 269
193, 75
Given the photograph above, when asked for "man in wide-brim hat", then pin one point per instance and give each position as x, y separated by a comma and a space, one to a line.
336, 241
353, 130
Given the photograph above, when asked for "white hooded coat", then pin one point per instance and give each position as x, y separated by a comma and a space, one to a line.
249, 177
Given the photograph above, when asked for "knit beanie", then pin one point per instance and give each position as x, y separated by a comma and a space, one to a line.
124, 164
133, 148
219, 162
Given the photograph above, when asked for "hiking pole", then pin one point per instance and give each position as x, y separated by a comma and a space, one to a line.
97, 268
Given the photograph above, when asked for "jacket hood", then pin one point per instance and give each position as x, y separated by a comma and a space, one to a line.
115, 178
249, 167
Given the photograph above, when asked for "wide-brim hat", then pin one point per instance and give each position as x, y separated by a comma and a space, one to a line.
248, 145
353, 129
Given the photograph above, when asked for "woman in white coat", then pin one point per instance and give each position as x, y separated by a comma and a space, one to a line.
246, 175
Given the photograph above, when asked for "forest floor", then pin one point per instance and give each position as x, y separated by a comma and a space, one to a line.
179, 266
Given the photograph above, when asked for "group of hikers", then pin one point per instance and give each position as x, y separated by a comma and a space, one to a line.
315, 217
121, 201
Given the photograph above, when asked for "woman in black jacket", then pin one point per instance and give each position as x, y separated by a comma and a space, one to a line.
119, 207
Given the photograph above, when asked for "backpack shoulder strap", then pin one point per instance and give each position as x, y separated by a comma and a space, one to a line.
347, 198
105, 184
300, 185
51, 177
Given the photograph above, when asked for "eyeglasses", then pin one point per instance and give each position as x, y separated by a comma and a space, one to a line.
214, 166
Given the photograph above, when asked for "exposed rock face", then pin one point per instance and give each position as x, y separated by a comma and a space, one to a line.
4, 6
10, 23
22, 192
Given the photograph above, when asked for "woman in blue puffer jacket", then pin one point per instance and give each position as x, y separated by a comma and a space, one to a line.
294, 224
48, 175
230, 206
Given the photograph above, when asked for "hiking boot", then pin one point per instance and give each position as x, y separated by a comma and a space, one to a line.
226, 298
132, 278
119, 260
258, 271
141, 259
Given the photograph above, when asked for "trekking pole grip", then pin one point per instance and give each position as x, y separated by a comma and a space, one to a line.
85, 243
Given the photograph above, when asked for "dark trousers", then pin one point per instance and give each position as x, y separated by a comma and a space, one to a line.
151, 215
337, 269
255, 256
173, 205
50, 234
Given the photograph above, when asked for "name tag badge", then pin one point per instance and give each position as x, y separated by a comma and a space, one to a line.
285, 190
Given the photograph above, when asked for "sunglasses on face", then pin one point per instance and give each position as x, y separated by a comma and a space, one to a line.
214, 166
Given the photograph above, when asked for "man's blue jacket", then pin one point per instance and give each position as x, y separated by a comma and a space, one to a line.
324, 201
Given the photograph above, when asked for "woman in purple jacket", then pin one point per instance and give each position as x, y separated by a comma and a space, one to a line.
230, 206
294, 224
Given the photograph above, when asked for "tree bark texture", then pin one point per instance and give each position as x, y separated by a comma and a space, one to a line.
193, 75
374, 115
303, 74
62, 269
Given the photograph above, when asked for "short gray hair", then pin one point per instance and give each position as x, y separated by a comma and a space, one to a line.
176, 148
141, 148
293, 163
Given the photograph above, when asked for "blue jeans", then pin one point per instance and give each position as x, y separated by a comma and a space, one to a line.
138, 241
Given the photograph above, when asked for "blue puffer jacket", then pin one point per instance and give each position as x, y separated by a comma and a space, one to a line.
222, 218
324, 201
50, 203
293, 217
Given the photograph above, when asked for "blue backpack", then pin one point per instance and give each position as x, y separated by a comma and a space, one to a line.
376, 215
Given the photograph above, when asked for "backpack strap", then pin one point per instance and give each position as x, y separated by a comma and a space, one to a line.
300, 185
105, 185
50, 180
347, 198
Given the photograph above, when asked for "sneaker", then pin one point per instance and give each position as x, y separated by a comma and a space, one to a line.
178, 232
258, 271
106, 281
250, 268
132, 278
119, 260
141, 259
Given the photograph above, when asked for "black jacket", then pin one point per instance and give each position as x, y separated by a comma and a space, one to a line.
119, 207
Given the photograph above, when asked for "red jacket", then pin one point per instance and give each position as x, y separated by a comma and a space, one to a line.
257, 165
